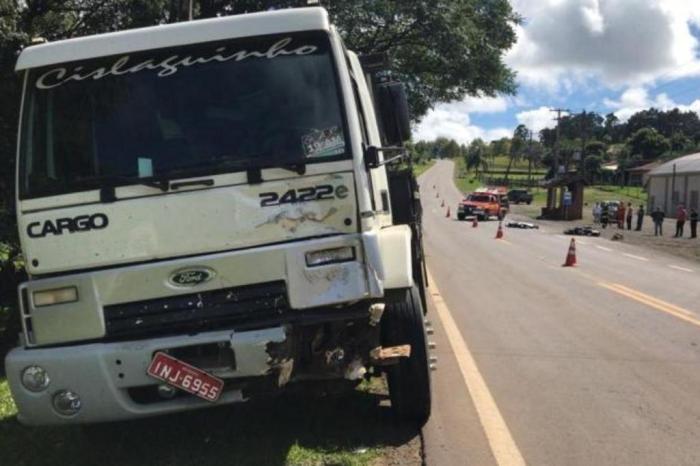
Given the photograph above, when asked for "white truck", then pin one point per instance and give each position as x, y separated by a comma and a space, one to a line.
210, 211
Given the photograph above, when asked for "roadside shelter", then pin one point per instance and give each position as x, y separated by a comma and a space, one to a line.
560, 205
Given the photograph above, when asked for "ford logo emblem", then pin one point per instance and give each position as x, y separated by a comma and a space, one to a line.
191, 276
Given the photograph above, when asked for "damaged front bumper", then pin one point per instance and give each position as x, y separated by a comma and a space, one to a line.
108, 377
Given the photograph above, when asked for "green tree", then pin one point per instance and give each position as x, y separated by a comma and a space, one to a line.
611, 127
680, 143
499, 147
593, 167
648, 144
452, 149
596, 148
476, 158
518, 146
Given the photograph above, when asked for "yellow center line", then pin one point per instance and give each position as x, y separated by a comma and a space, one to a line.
643, 298
655, 303
653, 299
497, 433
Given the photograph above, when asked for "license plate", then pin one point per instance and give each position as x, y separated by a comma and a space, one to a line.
185, 377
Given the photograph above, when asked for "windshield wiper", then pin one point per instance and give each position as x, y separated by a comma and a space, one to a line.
297, 167
108, 184
253, 167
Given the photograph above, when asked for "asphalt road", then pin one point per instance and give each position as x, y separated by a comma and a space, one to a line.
598, 364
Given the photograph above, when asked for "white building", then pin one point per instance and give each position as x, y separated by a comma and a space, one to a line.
673, 183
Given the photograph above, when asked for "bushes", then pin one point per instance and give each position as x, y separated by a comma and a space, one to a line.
11, 275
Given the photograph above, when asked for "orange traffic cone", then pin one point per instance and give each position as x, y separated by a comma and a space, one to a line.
475, 222
442, 204
499, 233
571, 255
448, 212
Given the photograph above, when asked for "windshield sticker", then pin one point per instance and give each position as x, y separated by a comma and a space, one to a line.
145, 166
323, 143
167, 67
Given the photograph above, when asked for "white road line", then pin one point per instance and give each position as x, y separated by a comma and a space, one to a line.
497, 433
639, 258
578, 241
604, 248
683, 269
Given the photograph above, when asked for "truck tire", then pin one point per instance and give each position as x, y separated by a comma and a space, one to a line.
460, 216
409, 380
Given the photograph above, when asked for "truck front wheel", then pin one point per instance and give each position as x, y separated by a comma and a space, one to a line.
409, 379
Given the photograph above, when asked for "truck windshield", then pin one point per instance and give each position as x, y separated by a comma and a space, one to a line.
187, 111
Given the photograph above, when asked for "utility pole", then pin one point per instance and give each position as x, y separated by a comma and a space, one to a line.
529, 160
556, 141
584, 139
190, 10
551, 194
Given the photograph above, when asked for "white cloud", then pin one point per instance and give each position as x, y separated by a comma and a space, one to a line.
452, 120
480, 105
613, 42
538, 119
446, 121
585, 46
636, 99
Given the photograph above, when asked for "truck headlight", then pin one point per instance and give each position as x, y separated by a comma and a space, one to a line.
330, 256
35, 379
68, 294
67, 403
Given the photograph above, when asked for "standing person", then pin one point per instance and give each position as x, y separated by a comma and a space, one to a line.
629, 215
621, 216
596, 213
640, 218
658, 217
693, 223
604, 216
681, 214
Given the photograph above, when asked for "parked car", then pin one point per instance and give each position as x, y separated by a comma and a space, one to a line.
516, 196
612, 207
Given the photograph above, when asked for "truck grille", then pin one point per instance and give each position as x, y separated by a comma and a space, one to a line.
197, 311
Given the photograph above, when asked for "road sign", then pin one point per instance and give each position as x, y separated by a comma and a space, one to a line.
567, 199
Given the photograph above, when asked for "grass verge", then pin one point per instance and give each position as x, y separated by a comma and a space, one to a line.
591, 195
465, 181
419, 168
350, 429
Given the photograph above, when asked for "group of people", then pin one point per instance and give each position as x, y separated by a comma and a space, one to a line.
603, 215
624, 215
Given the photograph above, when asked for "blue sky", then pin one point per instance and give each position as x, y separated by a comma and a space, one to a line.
617, 56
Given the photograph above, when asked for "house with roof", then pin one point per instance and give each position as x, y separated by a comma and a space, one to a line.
674, 183
638, 176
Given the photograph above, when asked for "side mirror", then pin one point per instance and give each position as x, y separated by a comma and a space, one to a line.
393, 112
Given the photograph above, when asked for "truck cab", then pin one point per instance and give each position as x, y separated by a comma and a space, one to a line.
218, 193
